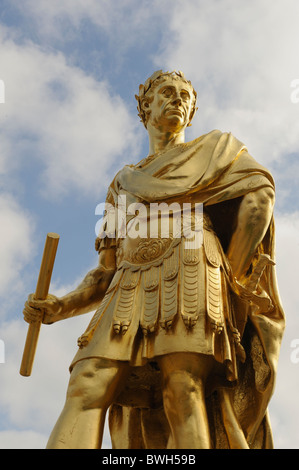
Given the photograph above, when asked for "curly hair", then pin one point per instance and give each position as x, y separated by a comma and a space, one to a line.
145, 95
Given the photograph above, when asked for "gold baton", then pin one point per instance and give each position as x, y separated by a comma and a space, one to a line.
41, 293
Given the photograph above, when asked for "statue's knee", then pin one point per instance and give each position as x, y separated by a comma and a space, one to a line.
84, 391
181, 387
94, 383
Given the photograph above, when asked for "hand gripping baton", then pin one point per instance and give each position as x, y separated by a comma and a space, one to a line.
41, 293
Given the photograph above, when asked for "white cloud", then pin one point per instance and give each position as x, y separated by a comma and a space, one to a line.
284, 404
287, 254
72, 125
22, 440
16, 243
50, 16
240, 57
121, 26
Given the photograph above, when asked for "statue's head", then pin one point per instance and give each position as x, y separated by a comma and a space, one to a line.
153, 84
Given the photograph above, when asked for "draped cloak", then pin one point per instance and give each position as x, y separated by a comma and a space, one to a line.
215, 170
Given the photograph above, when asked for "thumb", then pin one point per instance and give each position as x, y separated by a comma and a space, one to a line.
35, 303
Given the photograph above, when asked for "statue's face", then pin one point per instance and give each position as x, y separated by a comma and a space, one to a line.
171, 105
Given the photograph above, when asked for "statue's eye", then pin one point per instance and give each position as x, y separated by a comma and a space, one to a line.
167, 92
185, 95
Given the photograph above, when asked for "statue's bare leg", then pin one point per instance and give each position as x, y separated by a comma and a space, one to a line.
93, 385
184, 376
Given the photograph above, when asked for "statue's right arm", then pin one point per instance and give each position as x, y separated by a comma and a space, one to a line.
83, 299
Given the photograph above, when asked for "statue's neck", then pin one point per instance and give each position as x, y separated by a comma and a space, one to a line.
159, 141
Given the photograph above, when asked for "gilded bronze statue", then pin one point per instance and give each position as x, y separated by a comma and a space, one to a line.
183, 346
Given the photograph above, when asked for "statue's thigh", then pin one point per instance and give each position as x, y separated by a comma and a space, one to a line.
95, 381
196, 365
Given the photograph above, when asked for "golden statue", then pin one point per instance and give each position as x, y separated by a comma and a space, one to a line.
184, 343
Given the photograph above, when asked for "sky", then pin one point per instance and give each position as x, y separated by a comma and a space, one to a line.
69, 71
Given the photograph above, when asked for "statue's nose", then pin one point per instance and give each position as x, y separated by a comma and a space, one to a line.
177, 100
